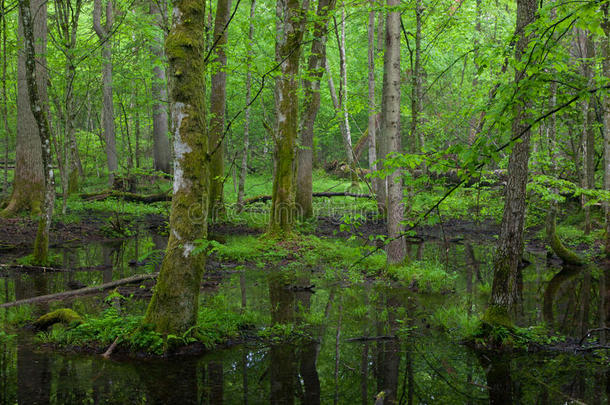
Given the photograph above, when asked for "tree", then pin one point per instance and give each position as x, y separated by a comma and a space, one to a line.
40, 112
606, 117
29, 181
390, 131
161, 152
311, 89
290, 20
243, 167
373, 116
218, 100
104, 33
505, 293
173, 307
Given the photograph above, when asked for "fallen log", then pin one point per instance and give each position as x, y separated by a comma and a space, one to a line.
82, 291
123, 195
264, 198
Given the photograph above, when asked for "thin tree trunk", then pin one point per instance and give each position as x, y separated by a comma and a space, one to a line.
161, 151
104, 33
373, 116
173, 307
390, 131
343, 124
588, 134
218, 100
4, 100
290, 17
311, 90
29, 179
417, 136
347, 134
39, 110
243, 171
506, 294
606, 114
474, 120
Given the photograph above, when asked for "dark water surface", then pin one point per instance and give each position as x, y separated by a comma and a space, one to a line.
368, 337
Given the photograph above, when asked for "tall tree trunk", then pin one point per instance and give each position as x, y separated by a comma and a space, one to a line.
506, 294
606, 105
473, 130
347, 133
218, 101
173, 307
373, 117
343, 121
104, 34
161, 152
29, 180
67, 14
588, 133
290, 19
4, 99
243, 171
390, 131
311, 89
39, 111
417, 136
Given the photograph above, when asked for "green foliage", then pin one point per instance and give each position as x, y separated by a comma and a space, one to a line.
430, 277
456, 320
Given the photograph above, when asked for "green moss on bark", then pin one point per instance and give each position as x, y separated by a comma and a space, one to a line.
565, 254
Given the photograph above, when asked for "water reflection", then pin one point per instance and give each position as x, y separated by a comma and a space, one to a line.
365, 342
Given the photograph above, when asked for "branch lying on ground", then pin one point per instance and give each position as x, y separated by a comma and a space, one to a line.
263, 198
82, 291
103, 195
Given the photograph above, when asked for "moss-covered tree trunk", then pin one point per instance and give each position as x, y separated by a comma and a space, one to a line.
311, 90
506, 291
290, 19
372, 110
39, 111
606, 108
28, 182
218, 100
173, 307
390, 132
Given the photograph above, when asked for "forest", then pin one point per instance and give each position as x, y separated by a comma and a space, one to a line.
296, 201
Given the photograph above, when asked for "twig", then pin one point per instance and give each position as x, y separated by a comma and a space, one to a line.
108, 352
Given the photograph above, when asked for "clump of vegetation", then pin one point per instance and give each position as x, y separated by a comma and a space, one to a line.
427, 276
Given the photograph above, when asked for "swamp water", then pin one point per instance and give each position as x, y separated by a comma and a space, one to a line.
367, 336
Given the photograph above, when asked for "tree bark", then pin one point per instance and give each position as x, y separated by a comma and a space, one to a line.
39, 111
506, 291
343, 121
29, 183
218, 100
606, 115
161, 151
390, 131
311, 90
173, 307
417, 136
104, 34
4, 99
243, 168
377, 183
290, 19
